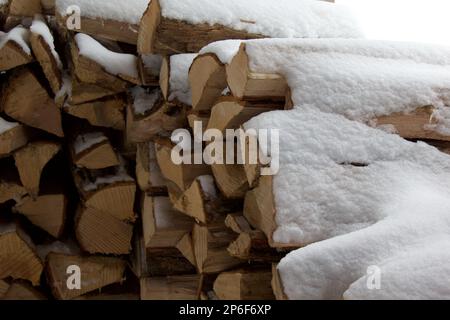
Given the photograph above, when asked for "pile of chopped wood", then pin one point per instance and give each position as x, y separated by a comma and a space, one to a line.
96, 108
86, 175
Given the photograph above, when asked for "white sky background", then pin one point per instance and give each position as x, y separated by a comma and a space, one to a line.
404, 20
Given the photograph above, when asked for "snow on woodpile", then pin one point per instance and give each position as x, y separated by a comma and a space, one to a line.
40, 27
272, 18
179, 78
363, 197
316, 154
129, 11
399, 193
6, 125
360, 79
143, 100
113, 62
19, 35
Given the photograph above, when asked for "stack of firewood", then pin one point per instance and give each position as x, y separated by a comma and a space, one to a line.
87, 178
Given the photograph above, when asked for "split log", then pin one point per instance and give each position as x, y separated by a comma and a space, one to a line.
277, 284
210, 246
182, 175
18, 258
260, 211
231, 113
238, 223
107, 112
159, 262
93, 150
87, 92
47, 212
36, 108
253, 246
104, 28
148, 175
46, 55
101, 232
202, 200
248, 85
208, 80
91, 72
20, 291
12, 53
160, 120
231, 180
96, 272
186, 287
244, 285
112, 192
259, 207
412, 125
31, 161
163, 226
162, 35
12, 137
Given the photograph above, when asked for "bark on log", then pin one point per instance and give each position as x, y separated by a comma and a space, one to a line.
161, 35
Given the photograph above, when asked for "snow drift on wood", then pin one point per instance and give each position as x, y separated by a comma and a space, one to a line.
371, 198
40, 27
19, 35
113, 62
409, 250
360, 79
272, 18
344, 173
130, 11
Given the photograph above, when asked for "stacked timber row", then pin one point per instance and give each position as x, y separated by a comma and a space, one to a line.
87, 174
87, 111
